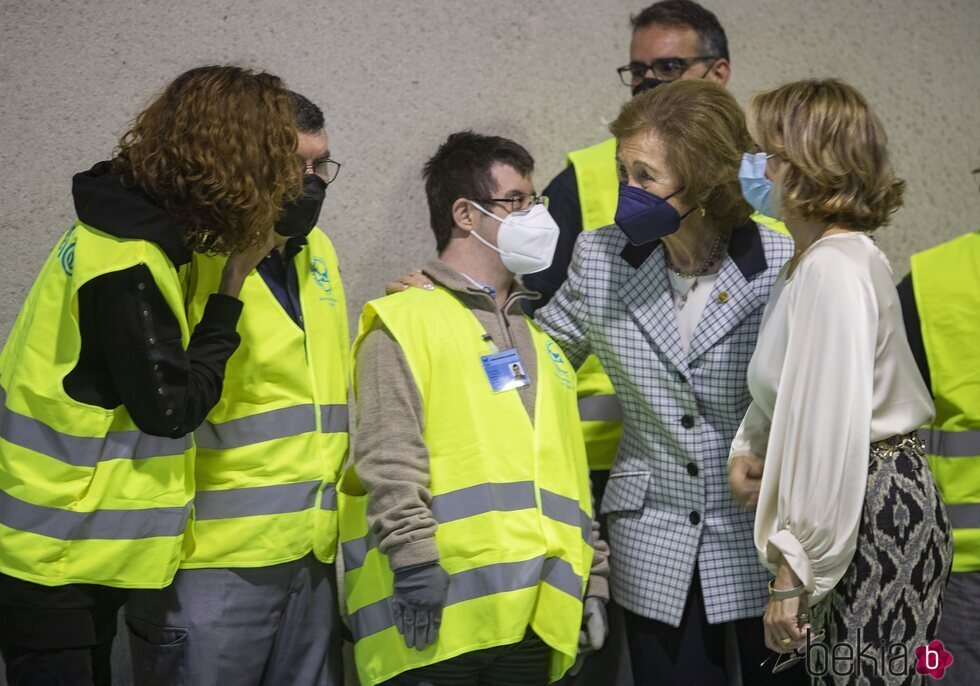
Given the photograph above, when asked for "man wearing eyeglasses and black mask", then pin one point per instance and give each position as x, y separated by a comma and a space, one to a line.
672, 39
255, 599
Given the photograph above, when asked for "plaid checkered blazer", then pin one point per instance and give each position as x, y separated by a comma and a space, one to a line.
669, 506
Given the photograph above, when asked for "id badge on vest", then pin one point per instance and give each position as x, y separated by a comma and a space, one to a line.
504, 370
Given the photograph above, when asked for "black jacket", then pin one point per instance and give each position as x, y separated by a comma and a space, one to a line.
131, 351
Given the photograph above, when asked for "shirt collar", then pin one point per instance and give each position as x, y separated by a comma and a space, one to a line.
745, 248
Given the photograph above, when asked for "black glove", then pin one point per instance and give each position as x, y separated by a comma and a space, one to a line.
416, 606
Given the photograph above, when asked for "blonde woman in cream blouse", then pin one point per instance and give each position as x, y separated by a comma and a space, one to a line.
849, 519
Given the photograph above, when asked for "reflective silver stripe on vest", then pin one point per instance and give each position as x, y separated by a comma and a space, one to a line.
951, 443
255, 501
333, 419
355, 550
566, 510
83, 451
964, 515
600, 408
455, 505
328, 501
68, 525
269, 426
478, 583
489, 497
480, 499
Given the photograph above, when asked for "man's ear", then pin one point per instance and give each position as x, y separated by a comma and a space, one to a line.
463, 214
720, 72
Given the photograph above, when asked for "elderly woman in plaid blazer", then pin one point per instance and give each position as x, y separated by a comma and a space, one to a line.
671, 300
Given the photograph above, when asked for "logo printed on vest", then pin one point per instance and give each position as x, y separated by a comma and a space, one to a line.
321, 275
66, 251
558, 360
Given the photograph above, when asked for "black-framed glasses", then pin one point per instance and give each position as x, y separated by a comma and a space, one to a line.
664, 68
326, 169
519, 202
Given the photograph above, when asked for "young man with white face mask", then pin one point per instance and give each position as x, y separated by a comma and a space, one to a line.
469, 546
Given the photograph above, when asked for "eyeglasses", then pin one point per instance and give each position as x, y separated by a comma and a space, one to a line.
664, 68
520, 202
326, 169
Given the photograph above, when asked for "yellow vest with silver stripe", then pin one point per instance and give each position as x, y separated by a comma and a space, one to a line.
512, 499
85, 496
598, 193
946, 280
270, 452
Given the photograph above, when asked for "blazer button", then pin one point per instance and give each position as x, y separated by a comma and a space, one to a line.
687, 421
692, 469
695, 518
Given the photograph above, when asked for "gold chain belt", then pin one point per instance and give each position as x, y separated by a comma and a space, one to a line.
888, 448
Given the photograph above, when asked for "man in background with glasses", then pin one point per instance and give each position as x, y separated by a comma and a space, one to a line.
255, 599
671, 40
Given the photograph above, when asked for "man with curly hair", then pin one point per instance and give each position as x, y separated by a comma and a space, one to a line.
255, 600
103, 378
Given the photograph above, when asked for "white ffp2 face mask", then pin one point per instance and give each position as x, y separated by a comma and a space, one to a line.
526, 240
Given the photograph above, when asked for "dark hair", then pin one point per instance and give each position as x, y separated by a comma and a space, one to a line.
309, 117
461, 169
216, 149
686, 13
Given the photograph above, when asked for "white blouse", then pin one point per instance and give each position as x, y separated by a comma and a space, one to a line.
832, 373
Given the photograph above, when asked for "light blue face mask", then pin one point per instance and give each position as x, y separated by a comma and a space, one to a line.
756, 188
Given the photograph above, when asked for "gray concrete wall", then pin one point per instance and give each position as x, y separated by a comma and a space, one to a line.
395, 77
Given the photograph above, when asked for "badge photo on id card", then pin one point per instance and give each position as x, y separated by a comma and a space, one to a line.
504, 370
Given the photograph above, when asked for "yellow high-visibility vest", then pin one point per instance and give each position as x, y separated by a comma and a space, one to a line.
271, 450
946, 281
85, 495
598, 193
512, 499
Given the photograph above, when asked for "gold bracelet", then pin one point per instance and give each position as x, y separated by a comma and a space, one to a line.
784, 594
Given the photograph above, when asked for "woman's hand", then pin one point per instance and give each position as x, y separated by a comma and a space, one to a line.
415, 279
745, 479
786, 621
241, 264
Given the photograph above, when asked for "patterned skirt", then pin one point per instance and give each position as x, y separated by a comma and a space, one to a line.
889, 601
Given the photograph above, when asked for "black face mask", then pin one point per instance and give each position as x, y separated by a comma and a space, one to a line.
299, 216
647, 85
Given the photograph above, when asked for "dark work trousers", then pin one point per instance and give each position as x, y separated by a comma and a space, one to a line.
524, 663
694, 653
57, 635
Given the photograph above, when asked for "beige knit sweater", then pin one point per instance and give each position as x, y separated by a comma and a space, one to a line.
390, 456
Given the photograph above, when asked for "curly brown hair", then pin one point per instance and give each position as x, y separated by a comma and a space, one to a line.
217, 150
704, 134
835, 149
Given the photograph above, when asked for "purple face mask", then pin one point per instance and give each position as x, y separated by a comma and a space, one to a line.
644, 217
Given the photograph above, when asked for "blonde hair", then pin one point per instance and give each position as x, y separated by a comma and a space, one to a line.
837, 167
703, 132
